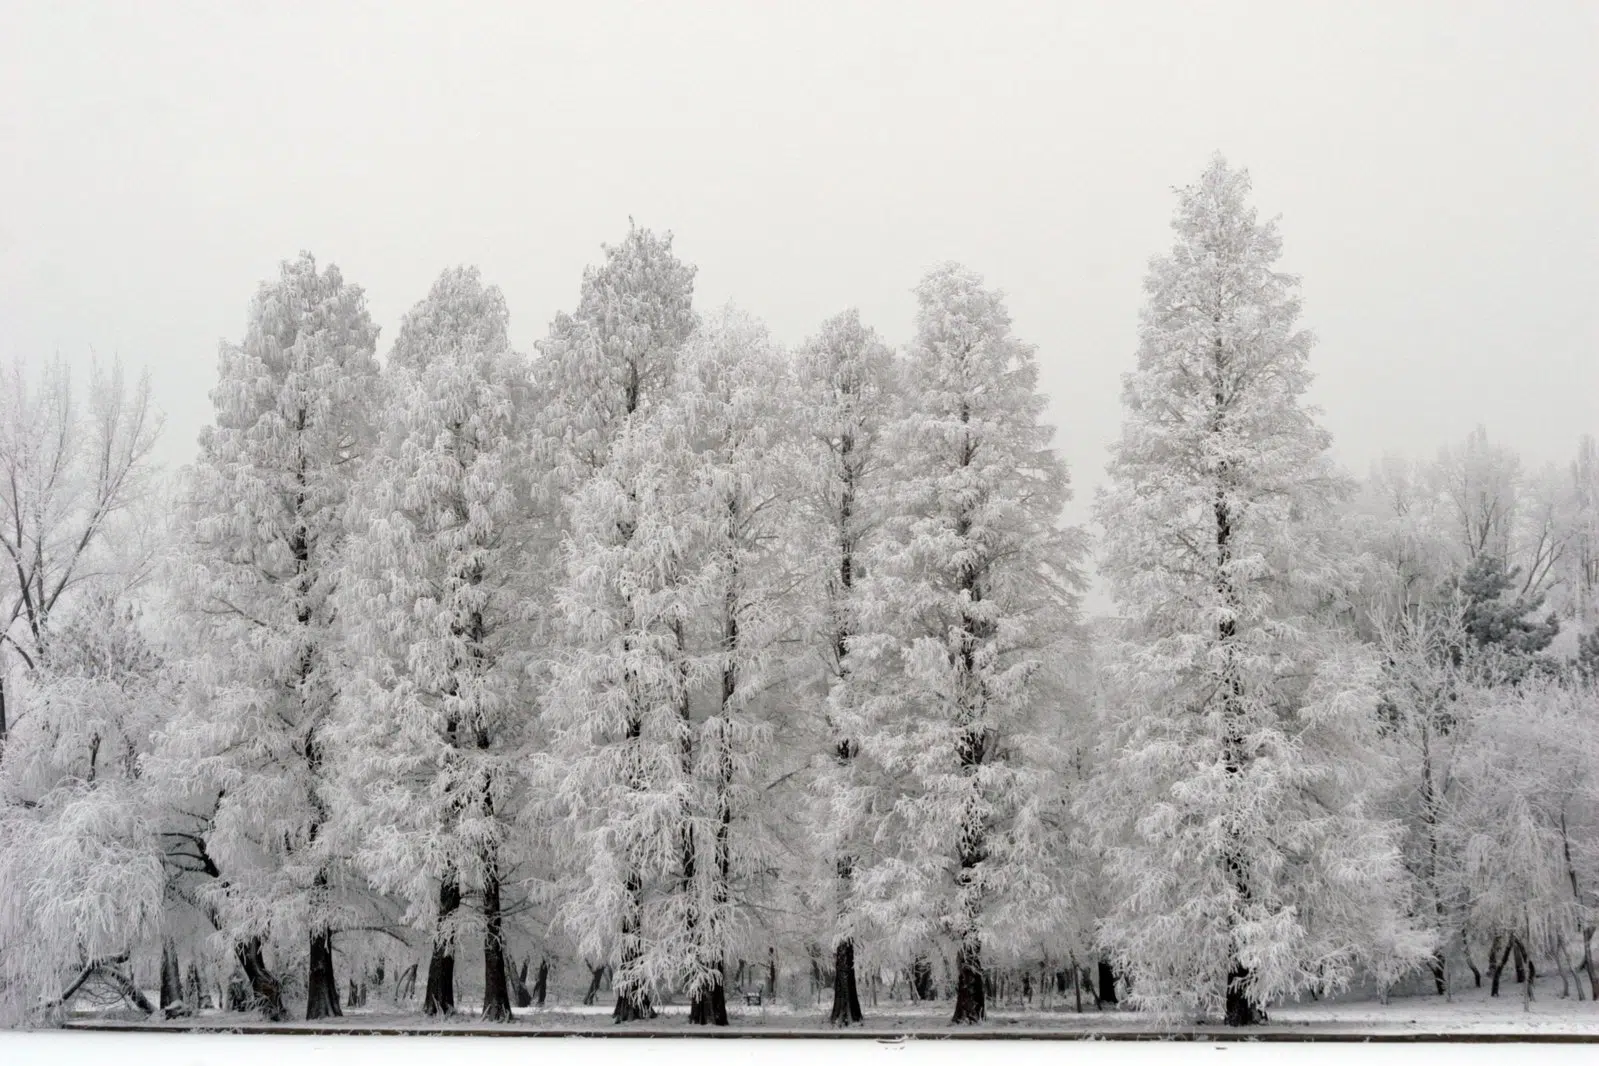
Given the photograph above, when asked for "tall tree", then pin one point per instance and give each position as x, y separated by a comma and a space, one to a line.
601, 371
267, 507
845, 394
971, 579
437, 626
1247, 865
730, 398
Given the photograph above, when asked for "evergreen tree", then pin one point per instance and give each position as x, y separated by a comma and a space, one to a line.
267, 508
437, 630
846, 398
970, 581
620, 648
1248, 866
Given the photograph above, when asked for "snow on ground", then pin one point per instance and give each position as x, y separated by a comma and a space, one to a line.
1471, 1013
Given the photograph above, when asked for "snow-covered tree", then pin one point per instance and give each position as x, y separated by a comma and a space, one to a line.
1247, 863
435, 609
617, 623
68, 476
845, 397
968, 586
81, 877
267, 509
730, 400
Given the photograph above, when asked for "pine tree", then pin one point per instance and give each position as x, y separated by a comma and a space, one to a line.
1248, 867
436, 623
267, 523
846, 393
601, 371
730, 400
969, 582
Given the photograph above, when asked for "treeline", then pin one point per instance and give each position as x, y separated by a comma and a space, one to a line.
665, 655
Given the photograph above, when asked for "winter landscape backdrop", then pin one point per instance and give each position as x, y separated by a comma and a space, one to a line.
667, 672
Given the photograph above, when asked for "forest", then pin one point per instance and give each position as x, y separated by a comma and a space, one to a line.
670, 666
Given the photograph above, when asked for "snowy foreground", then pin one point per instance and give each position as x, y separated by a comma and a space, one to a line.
1471, 1014
1566, 1028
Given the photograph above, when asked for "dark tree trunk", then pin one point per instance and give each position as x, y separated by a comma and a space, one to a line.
846, 997
405, 987
193, 993
596, 974
266, 991
632, 1004
1240, 1008
172, 1003
1439, 972
542, 984
439, 998
1498, 955
771, 973
922, 979
129, 990
971, 1005
496, 996
1105, 987
709, 1005
353, 997
1519, 956
1465, 953
518, 979
322, 988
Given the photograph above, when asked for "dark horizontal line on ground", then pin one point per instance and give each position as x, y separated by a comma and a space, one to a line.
882, 1035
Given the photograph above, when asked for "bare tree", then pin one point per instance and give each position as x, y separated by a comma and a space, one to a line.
70, 464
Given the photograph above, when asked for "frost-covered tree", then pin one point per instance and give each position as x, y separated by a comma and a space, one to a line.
966, 588
71, 468
436, 627
1247, 863
81, 877
731, 405
845, 398
267, 518
620, 650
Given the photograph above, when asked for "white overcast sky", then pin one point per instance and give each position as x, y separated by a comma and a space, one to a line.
1436, 166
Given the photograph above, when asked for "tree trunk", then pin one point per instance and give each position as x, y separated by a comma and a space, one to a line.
1436, 965
1465, 953
1498, 955
439, 998
542, 984
322, 988
266, 991
771, 972
128, 989
708, 1006
846, 998
518, 981
172, 1003
1106, 984
405, 987
922, 979
496, 996
971, 1005
632, 1003
1240, 1008
1587, 963
595, 974
1519, 957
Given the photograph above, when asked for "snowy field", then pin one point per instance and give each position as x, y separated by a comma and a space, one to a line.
1472, 1014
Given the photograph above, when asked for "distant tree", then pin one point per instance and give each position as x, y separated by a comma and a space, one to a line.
962, 595
1497, 621
267, 520
1246, 864
71, 468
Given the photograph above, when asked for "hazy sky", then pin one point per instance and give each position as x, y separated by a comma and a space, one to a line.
1436, 166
